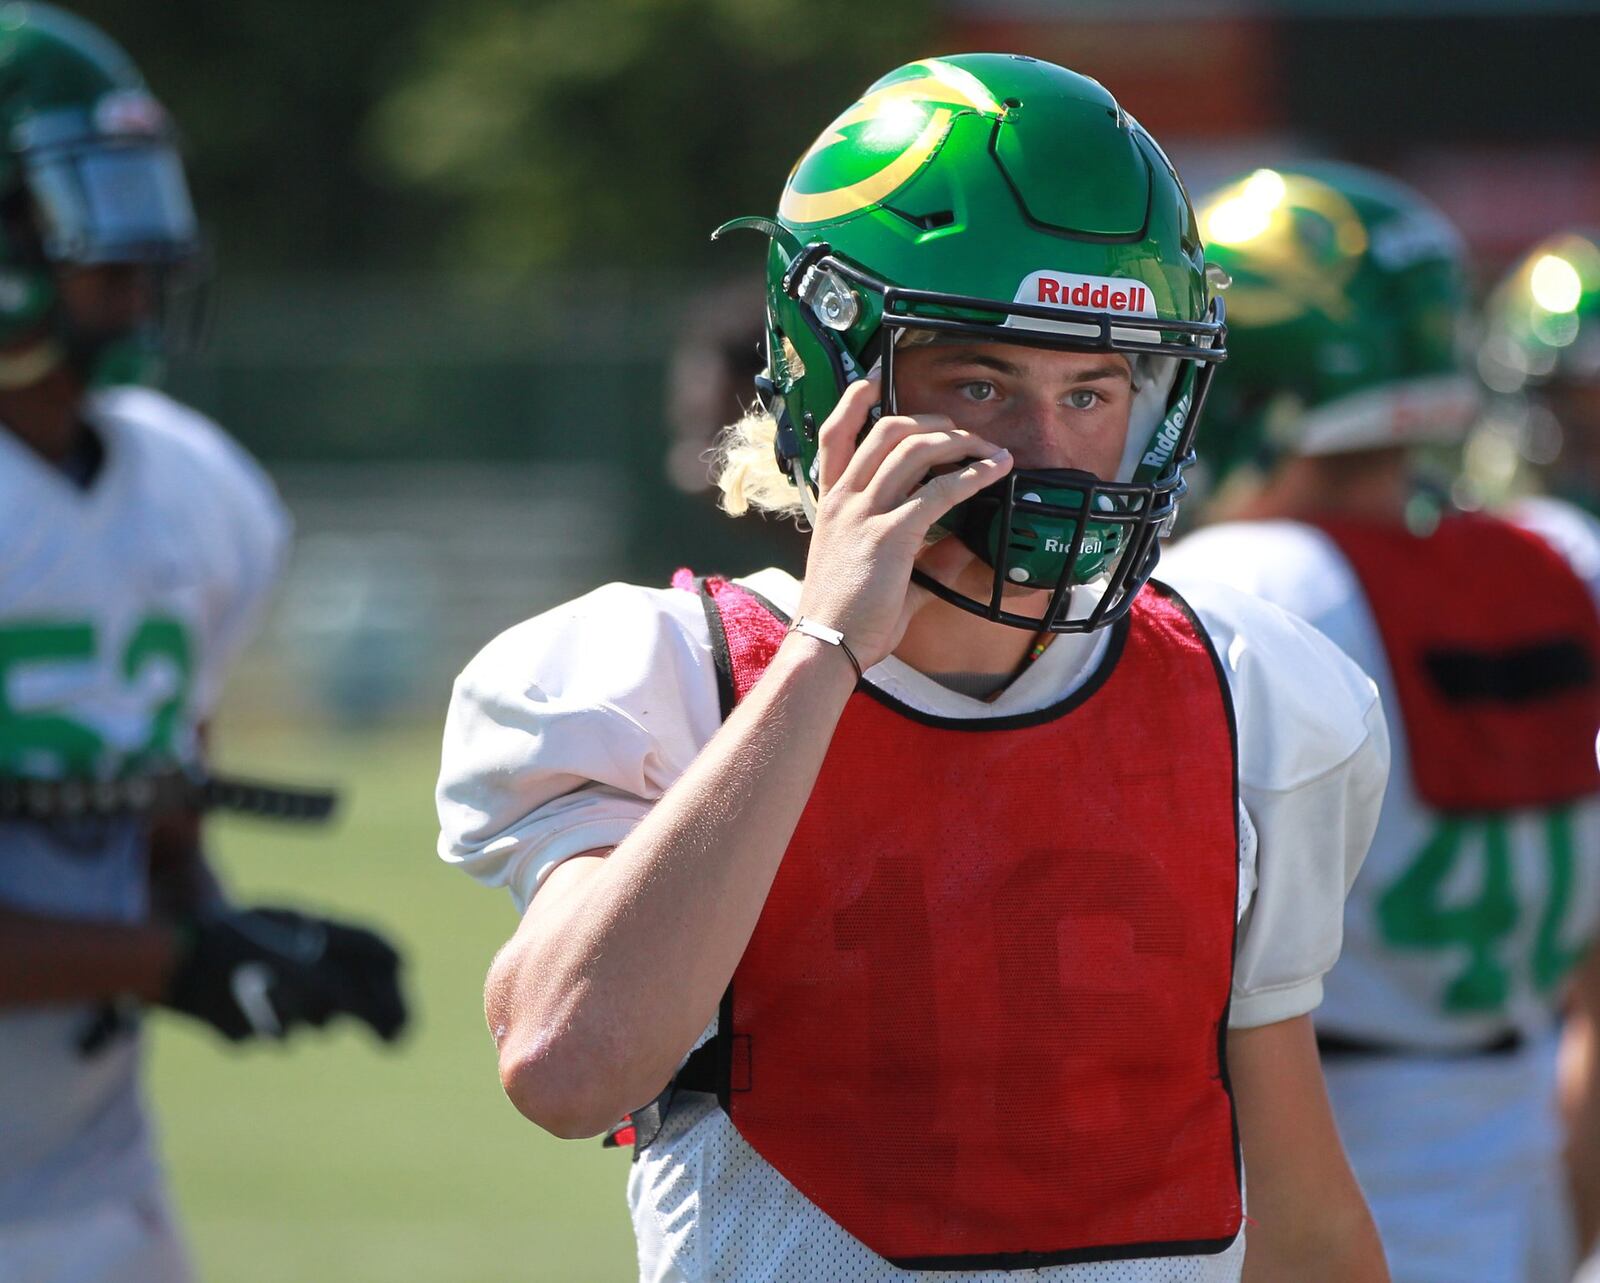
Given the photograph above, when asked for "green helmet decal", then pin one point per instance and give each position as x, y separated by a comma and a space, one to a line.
879, 144
1346, 309
997, 198
1543, 319
89, 175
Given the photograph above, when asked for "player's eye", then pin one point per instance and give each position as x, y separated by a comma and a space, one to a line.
1083, 398
979, 390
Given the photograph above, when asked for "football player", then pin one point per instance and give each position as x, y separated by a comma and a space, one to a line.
1541, 352
957, 909
1482, 889
138, 545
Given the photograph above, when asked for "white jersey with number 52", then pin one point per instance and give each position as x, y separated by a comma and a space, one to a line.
121, 604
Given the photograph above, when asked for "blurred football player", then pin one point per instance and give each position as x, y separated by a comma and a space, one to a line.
1346, 317
1540, 353
957, 910
138, 545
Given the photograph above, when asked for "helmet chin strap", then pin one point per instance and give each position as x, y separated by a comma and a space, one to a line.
26, 366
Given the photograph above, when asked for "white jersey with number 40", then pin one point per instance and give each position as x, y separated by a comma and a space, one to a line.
1460, 929
1458, 935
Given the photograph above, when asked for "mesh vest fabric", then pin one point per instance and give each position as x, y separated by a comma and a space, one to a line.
981, 1020
1501, 707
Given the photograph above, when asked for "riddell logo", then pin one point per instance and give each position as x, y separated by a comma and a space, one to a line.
1116, 295
1090, 544
1094, 294
1166, 440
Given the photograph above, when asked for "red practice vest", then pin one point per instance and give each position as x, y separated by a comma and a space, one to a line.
981, 1022
1494, 646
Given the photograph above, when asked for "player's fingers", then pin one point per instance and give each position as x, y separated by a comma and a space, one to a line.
931, 501
836, 439
910, 460
386, 1012
346, 941
883, 437
944, 561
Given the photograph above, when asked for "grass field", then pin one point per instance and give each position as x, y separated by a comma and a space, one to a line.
336, 1158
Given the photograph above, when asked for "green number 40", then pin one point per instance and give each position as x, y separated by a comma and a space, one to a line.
1413, 913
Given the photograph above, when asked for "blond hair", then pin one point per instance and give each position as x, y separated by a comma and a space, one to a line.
747, 472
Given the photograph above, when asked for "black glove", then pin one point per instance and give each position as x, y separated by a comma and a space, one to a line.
261, 973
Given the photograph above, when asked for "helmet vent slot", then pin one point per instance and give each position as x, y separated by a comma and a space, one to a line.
927, 222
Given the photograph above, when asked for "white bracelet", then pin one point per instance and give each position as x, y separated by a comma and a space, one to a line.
811, 628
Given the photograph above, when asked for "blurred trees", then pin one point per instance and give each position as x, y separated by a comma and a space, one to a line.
624, 130
487, 134
272, 97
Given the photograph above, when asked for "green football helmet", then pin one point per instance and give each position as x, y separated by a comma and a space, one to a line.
89, 175
1346, 310
1543, 321
999, 199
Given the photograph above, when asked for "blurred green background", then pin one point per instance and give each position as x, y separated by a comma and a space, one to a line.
467, 312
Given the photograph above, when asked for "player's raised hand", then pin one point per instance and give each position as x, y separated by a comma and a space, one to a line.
878, 496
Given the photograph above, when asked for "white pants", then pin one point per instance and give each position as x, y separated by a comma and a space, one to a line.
129, 1241
1459, 1160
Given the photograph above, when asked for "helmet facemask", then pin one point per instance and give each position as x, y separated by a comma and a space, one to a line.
106, 189
1088, 542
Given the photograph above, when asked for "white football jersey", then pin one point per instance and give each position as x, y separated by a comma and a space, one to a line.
566, 729
121, 605
1457, 933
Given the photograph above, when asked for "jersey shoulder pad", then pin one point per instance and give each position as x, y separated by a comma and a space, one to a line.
187, 461
1303, 707
1291, 564
1572, 532
602, 646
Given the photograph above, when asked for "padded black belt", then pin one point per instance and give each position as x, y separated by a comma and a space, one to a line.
1339, 1047
24, 798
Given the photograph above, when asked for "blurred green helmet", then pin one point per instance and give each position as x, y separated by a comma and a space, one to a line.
1346, 312
1543, 321
89, 175
999, 199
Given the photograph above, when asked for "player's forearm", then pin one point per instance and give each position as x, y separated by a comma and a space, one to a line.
47, 960
1308, 1218
1337, 1245
604, 989
181, 881
1579, 1079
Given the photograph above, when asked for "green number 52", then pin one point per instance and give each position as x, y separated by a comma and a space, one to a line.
30, 737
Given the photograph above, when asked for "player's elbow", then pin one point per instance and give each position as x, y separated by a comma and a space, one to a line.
548, 1089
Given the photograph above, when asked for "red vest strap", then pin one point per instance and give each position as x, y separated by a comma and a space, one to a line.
1501, 703
981, 1020
745, 633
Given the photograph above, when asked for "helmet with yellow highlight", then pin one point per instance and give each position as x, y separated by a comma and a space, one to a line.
1347, 309
1000, 199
